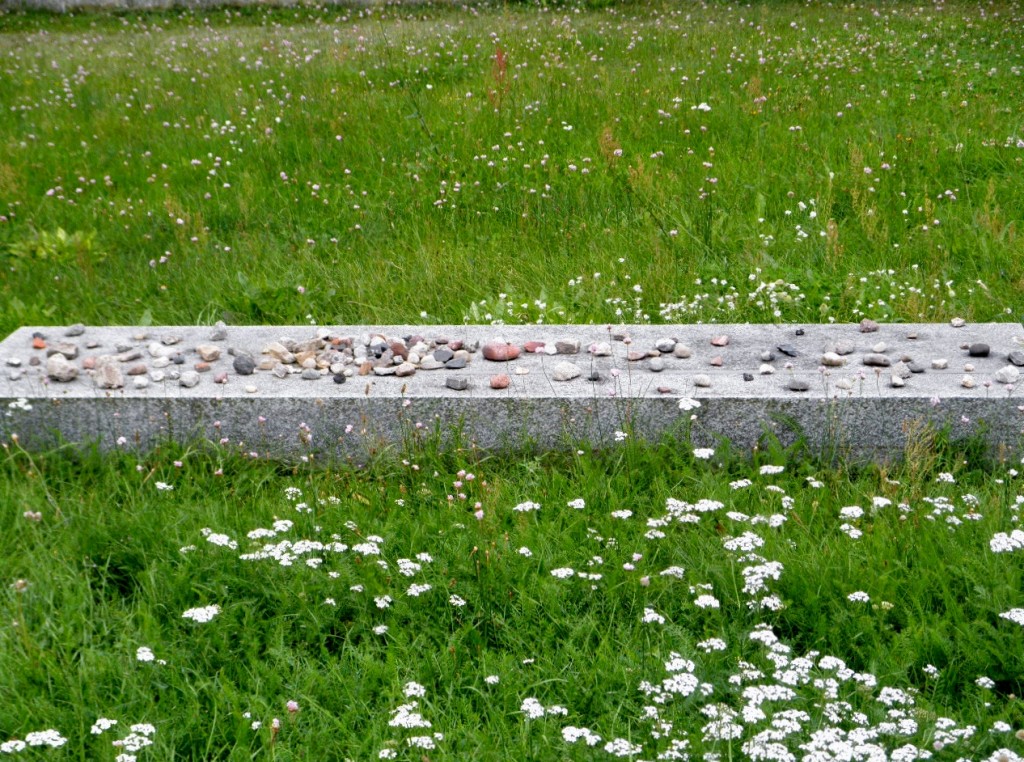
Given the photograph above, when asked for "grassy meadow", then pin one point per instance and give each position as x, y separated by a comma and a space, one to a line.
509, 163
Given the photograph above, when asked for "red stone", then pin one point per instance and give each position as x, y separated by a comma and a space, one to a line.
720, 341
533, 346
499, 352
501, 381
716, 361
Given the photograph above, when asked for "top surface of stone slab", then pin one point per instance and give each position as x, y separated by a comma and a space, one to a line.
735, 361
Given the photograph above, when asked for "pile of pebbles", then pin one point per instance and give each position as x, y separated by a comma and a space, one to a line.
145, 358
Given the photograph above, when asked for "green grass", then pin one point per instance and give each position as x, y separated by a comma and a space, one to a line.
417, 165
470, 164
114, 560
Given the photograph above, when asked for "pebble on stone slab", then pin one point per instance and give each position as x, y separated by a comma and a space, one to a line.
832, 360
665, 346
868, 326
379, 370
788, 349
533, 346
221, 378
312, 374
1016, 357
897, 381
940, 363
748, 376
1007, 375
720, 341
766, 369
500, 381
75, 330
567, 347
565, 371
189, 379
682, 351
798, 385
60, 369
456, 383
208, 352
219, 332
67, 348
500, 352
108, 373
978, 349
880, 348
702, 381
521, 371
244, 365
601, 349
405, 369
967, 382
140, 382
656, 365
877, 360
251, 389
958, 322
902, 370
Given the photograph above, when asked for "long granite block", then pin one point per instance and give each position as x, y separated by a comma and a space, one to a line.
704, 383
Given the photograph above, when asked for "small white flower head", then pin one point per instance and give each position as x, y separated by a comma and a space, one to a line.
102, 725
201, 614
456, 601
526, 507
413, 690
492, 679
578, 504
686, 403
144, 653
380, 629
769, 470
704, 453
859, 597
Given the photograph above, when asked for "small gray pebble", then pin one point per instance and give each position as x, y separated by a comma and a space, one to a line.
219, 332
682, 351
915, 367
140, 382
877, 360
978, 349
798, 385
1016, 357
656, 364
702, 381
940, 363
339, 378
767, 356
311, 374
897, 382
748, 376
75, 330
456, 363
788, 349
244, 365
456, 383
665, 345
189, 379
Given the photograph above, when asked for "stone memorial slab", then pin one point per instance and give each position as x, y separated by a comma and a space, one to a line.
346, 390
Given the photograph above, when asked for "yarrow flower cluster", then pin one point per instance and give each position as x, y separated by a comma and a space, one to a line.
201, 614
